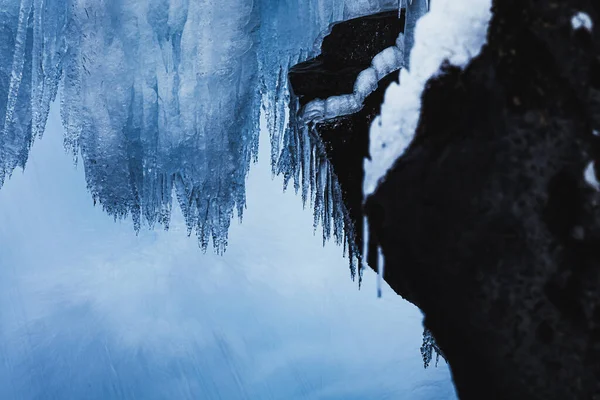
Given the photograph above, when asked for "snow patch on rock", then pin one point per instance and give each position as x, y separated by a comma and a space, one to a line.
453, 31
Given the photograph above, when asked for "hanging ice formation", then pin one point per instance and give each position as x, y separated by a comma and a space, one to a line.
162, 96
450, 32
384, 63
32, 44
290, 154
429, 347
302, 160
387, 61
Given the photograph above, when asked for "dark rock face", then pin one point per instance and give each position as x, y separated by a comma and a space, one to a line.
487, 224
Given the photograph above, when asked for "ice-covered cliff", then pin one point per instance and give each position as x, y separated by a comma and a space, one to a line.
158, 96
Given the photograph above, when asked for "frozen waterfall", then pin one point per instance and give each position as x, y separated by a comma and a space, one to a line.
158, 96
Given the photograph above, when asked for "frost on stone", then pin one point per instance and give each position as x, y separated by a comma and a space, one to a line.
582, 20
451, 31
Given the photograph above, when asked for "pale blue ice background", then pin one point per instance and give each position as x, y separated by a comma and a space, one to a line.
89, 310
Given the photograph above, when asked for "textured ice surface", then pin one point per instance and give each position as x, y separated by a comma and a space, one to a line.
452, 31
158, 96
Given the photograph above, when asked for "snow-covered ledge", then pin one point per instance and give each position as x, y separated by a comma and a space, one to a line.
452, 31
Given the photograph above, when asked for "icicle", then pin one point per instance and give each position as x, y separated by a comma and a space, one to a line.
387, 61
37, 79
313, 175
363, 264
415, 10
305, 154
428, 347
582, 20
449, 33
276, 118
339, 217
380, 271
328, 204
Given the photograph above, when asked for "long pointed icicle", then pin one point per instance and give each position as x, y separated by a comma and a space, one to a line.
17, 64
